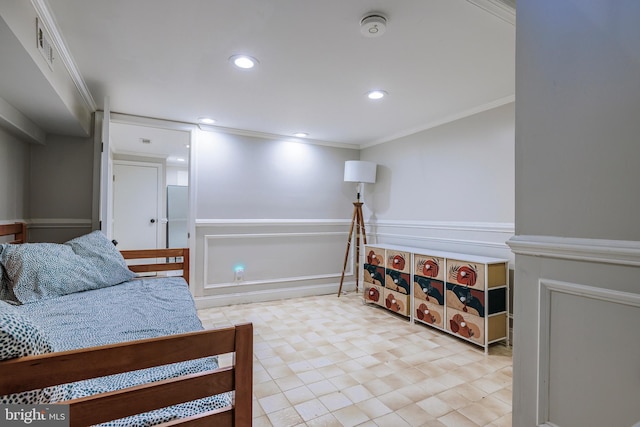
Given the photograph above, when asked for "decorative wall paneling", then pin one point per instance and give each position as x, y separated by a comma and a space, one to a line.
577, 302
281, 259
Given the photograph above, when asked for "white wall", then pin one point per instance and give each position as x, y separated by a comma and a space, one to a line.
14, 177
278, 208
448, 188
577, 300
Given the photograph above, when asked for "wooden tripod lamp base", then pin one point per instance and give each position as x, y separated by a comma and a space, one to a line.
357, 225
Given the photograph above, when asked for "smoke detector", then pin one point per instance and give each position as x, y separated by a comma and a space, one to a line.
373, 25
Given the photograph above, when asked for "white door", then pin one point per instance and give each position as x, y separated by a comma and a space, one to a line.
136, 205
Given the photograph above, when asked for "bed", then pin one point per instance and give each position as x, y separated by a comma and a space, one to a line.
131, 353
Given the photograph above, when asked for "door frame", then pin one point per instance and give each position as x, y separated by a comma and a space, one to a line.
101, 196
160, 218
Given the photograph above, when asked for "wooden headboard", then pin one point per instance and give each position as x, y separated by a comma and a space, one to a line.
18, 230
163, 259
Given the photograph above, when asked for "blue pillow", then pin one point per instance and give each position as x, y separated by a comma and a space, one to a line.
39, 271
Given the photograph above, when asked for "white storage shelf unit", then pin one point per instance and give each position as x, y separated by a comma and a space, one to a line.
464, 295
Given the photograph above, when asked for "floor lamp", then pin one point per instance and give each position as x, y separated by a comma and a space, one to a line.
360, 172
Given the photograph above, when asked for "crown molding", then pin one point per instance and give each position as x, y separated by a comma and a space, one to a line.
448, 119
43, 11
277, 137
497, 8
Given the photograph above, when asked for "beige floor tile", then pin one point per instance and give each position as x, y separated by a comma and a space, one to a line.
374, 408
321, 388
311, 409
414, 414
435, 407
327, 420
285, 418
289, 382
391, 420
350, 416
334, 401
395, 400
299, 395
261, 421
456, 419
273, 403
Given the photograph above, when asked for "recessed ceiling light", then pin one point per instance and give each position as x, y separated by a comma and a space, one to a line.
243, 61
206, 120
301, 134
376, 94
180, 159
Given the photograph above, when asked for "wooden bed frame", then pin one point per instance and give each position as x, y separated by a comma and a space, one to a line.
35, 372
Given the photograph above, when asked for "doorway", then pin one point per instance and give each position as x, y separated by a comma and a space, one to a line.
148, 157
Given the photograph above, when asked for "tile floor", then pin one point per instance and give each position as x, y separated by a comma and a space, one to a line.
328, 361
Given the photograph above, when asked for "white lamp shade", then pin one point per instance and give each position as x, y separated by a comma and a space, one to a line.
359, 171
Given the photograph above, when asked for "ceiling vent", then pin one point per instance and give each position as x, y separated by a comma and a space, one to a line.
373, 25
45, 46
145, 140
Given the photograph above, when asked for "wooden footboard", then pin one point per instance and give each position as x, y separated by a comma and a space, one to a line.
35, 372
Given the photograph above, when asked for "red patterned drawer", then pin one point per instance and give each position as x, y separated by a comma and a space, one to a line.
398, 260
428, 266
373, 294
397, 302
465, 325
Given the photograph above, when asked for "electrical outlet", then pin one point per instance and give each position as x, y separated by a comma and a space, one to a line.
239, 274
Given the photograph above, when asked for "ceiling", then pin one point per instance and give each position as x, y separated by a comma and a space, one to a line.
439, 60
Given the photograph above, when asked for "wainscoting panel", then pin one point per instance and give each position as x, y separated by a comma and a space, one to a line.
587, 338
270, 258
576, 346
280, 259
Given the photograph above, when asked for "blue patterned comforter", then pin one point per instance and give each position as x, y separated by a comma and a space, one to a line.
139, 308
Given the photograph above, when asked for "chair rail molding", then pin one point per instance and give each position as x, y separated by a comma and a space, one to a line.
620, 252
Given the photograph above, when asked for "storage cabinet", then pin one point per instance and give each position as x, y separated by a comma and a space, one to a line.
464, 295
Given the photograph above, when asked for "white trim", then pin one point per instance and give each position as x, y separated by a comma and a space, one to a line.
50, 24
490, 227
620, 252
448, 119
441, 240
545, 288
276, 280
59, 223
258, 235
152, 122
263, 222
498, 9
276, 137
271, 295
